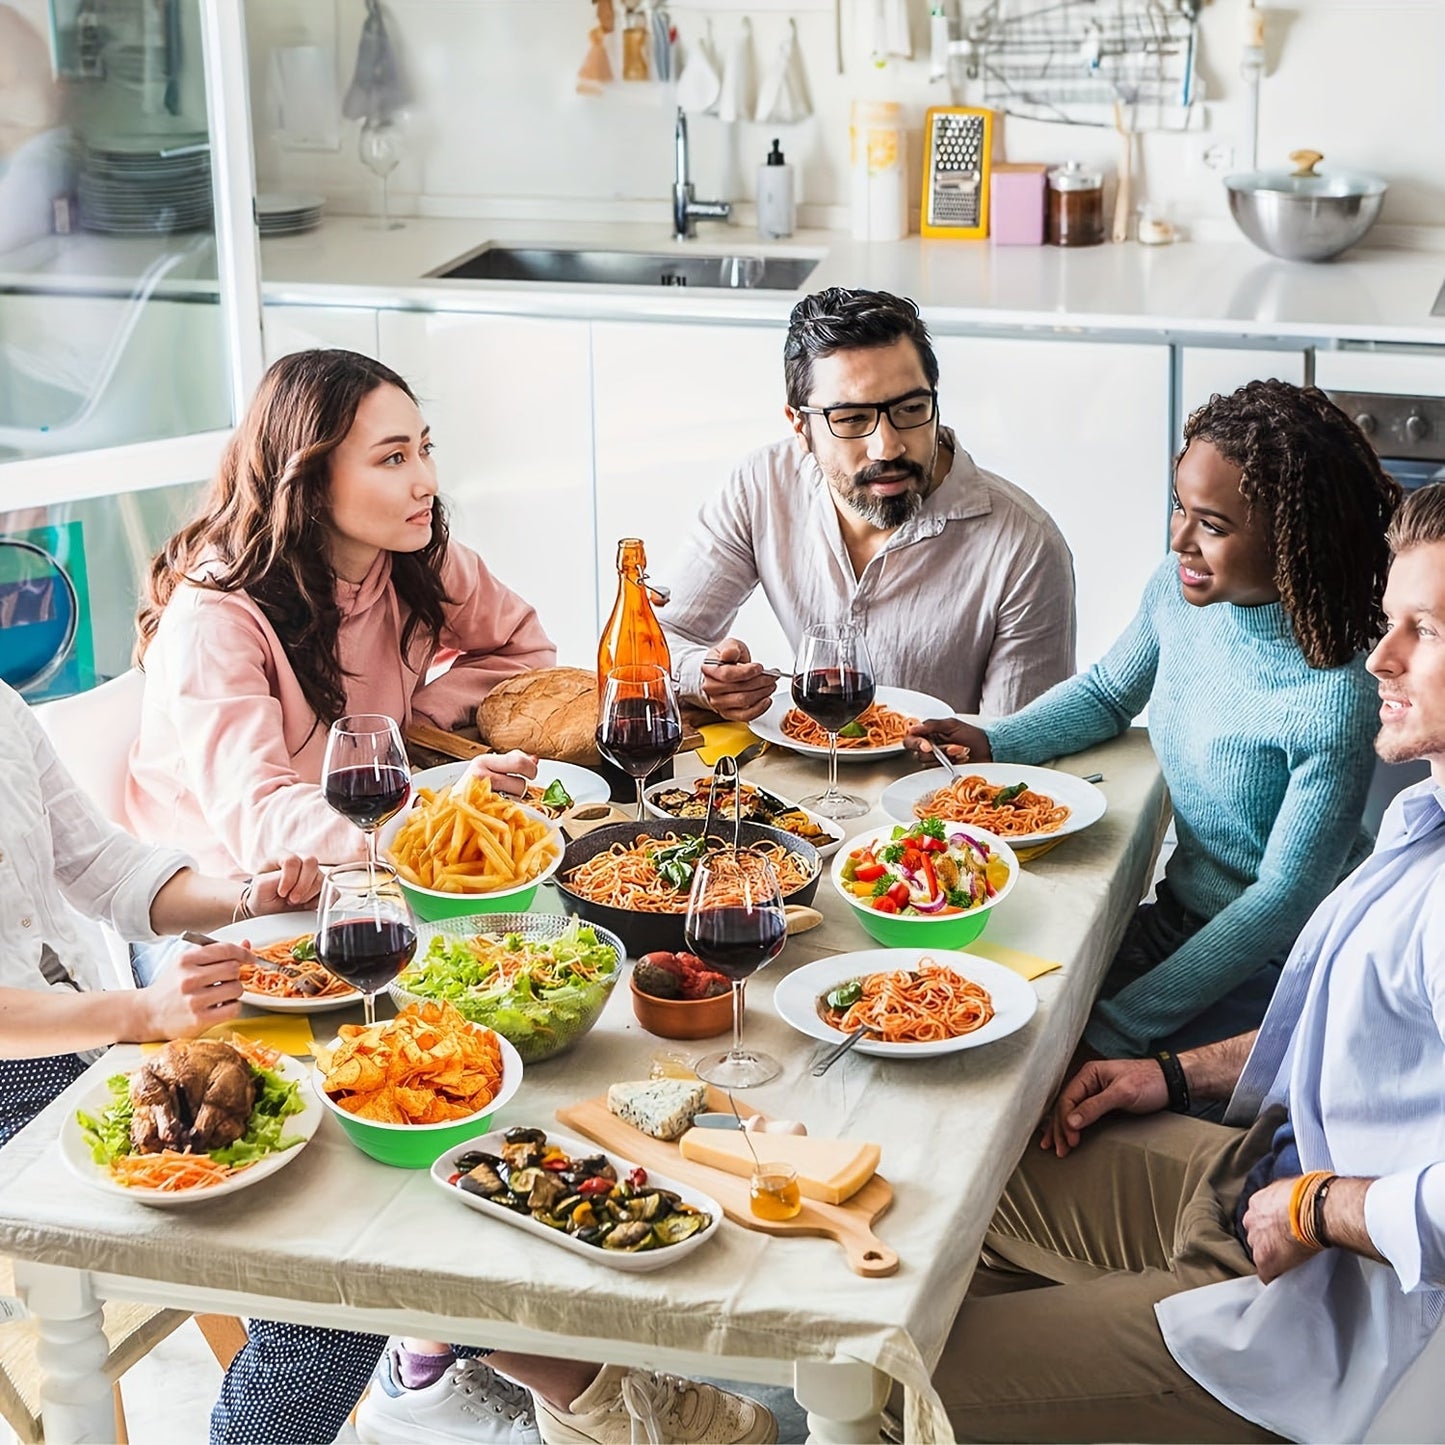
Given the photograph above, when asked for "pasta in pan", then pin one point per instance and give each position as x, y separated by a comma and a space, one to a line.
883, 727
1014, 811
626, 875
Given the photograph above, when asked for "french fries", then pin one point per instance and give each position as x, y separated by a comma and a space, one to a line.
471, 840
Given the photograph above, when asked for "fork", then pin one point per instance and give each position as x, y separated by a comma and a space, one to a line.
832, 1057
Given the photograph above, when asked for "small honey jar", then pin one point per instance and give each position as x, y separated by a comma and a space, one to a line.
775, 1194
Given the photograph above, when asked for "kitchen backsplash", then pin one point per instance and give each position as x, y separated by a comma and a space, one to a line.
498, 127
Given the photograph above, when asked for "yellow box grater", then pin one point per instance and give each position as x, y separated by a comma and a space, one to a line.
957, 149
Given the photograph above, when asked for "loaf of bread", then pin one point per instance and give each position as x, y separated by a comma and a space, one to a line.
551, 712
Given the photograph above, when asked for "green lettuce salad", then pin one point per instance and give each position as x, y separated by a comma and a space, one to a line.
276, 1099
540, 995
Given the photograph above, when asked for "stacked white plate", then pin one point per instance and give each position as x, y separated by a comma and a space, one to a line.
288, 214
140, 184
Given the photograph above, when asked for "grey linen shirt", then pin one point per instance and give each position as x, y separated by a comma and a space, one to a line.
971, 600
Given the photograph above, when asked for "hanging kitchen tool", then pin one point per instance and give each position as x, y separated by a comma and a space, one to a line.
700, 83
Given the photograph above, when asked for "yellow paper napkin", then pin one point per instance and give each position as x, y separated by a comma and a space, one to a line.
286, 1033
724, 739
1030, 965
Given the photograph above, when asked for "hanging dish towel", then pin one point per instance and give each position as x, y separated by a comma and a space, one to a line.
700, 85
735, 102
378, 89
783, 92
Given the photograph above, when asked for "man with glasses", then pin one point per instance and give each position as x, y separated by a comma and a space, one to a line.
871, 512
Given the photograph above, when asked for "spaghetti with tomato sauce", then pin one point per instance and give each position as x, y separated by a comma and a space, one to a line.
921, 1005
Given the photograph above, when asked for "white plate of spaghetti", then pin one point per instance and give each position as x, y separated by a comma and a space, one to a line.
1022, 805
923, 1001
877, 734
287, 976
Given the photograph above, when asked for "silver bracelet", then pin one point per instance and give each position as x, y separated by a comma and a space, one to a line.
243, 903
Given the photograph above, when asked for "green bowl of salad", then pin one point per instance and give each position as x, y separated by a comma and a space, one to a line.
932, 884
541, 980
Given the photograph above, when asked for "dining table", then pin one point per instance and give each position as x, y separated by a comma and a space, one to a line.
338, 1239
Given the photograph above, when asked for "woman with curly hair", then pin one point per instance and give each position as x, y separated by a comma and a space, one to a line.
1249, 651
318, 579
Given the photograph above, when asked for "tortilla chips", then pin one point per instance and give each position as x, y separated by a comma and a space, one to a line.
428, 1065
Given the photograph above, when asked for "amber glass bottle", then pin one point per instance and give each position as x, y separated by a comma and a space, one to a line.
633, 633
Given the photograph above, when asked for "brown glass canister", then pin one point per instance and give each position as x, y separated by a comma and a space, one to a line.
1076, 206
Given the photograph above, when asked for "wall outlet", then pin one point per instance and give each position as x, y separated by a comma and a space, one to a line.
1218, 157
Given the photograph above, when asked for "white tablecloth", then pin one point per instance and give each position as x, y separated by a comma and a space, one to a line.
336, 1230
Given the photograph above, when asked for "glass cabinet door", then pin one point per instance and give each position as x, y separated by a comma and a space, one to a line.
117, 321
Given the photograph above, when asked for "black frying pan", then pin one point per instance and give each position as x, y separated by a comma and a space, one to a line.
650, 932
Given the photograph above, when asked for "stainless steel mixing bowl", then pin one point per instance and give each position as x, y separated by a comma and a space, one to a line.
1302, 216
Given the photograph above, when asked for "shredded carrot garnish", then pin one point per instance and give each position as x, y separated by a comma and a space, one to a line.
171, 1171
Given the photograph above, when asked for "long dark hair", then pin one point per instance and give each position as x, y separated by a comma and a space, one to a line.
1324, 502
261, 527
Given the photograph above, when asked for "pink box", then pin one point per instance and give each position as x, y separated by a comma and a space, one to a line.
1016, 205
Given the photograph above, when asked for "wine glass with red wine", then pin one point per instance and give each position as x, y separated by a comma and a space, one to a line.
833, 684
638, 727
365, 776
735, 923
365, 934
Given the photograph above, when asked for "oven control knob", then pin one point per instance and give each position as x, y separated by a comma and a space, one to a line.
1416, 427
1366, 423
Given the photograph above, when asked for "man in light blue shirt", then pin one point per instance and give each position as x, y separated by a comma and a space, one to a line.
1279, 1274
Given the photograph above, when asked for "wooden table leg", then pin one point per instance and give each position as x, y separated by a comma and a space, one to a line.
844, 1401
76, 1403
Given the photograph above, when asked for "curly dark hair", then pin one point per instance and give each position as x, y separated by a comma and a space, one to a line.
840, 320
261, 526
1324, 501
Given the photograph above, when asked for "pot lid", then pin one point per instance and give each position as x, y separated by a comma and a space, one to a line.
1306, 182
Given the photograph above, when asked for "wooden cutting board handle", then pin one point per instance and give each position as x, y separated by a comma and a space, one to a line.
439, 740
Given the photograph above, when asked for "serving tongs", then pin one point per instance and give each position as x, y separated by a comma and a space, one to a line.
724, 772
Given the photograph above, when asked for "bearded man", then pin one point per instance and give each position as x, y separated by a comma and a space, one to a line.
871, 513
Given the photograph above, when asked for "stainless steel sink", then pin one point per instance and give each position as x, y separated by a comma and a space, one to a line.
629, 268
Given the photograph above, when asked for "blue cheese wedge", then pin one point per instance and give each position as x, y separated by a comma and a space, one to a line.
664, 1108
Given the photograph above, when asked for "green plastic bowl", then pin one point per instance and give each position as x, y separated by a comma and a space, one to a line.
431, 905
950, 930
417, 1146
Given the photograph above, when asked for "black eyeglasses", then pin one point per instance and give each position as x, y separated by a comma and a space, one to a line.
853, 420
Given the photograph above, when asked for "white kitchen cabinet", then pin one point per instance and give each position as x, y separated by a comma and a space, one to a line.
1083, 427
298, 328
677, 407
1405, 370
1206, 371
509, 403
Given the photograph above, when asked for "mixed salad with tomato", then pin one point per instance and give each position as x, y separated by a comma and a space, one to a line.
925, 870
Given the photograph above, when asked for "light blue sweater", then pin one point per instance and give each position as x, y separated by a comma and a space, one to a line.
1268, 761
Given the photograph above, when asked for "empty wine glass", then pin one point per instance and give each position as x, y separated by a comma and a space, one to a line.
380, 150
639, 727
735, 923
364, 775
365, 933
833, 684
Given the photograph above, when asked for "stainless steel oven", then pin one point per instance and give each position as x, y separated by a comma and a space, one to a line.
1408, 434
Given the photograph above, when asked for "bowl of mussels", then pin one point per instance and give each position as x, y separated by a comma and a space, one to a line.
563, 1189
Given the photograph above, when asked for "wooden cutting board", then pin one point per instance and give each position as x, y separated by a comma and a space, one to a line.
850, 1223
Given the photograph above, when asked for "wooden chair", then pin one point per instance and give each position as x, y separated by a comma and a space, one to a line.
132, 1331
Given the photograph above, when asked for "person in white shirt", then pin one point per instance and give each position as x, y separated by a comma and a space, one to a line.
62, 864
1277, 1274
871, 512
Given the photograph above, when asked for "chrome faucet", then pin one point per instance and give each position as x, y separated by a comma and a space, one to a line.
686, 210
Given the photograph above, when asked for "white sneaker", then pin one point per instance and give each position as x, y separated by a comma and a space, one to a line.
471, 1403
626, 1407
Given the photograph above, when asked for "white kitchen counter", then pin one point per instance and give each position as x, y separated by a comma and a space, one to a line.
1223, 290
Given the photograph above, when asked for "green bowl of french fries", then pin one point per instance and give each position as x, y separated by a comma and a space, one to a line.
466, 849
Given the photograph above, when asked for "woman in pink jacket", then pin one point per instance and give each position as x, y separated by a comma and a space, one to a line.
317, 579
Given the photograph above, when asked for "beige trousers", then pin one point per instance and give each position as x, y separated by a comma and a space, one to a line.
1057, 1339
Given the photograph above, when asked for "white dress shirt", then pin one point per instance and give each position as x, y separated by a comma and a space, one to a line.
971, 600
62, 864
1354, 1045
